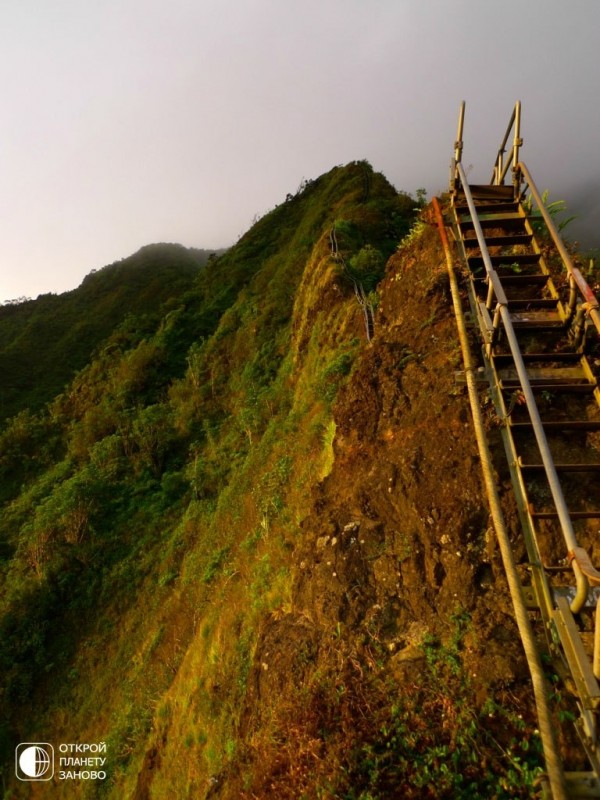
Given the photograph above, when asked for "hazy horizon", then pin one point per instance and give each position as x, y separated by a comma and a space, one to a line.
138, 122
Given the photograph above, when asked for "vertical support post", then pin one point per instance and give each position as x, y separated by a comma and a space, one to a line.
596, 662
489, 302
517, 143
458, 146
496, 325
573, 295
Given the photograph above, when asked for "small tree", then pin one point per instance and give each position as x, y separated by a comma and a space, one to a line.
367, 267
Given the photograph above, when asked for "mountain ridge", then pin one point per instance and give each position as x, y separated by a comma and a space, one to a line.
222, 555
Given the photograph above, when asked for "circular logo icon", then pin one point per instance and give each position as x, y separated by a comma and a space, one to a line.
35, 762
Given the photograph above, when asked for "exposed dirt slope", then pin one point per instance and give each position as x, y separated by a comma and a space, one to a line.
398, 672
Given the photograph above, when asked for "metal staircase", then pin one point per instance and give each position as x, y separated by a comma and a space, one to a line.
537, 322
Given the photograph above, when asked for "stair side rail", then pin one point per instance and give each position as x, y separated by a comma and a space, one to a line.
521, 174
590, 304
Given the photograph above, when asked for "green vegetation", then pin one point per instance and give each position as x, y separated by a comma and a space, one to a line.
418, 733
151, 504
45, 341
165, 425
556, 209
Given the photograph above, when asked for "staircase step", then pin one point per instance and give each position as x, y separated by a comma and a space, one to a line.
540, 319
489, 191
505, 221
539, 315
565, 357
572, 514
537, 325
557, 388
582, 785
490, 207
538, 279
546, 375
533, 303
558, 425
593, 467
500, 241
523, 259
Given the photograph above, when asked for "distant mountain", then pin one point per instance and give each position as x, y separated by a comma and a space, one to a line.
43, 342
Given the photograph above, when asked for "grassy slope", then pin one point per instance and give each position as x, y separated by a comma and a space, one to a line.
164, 491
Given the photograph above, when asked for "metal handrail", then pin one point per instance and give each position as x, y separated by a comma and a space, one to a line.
502, 313
591, 304
458, 146
501, 169
494, 280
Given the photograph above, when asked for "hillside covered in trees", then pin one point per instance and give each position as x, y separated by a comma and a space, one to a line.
231, 547
44, 342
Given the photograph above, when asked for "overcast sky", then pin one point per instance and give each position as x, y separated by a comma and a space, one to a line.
126, 122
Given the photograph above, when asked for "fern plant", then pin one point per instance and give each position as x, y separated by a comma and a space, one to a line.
554, 208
